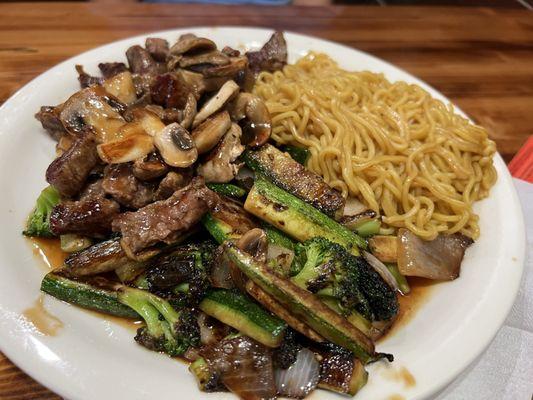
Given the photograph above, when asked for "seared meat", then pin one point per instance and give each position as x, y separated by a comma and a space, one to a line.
141, 62
170, 91
120, 182
89, 217
150, 167
230, 52
272, 56
87, 80
49, 118
111, 69
69, 172
93, 190
166, 220
170, 183
167, 115
158, 48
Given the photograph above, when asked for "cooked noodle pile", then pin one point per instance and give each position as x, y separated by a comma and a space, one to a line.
401, 152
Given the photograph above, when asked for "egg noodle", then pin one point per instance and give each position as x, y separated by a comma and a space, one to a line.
399, 151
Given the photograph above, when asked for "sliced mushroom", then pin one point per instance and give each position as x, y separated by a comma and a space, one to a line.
208, 133
121, 86
192, 44
149, 121
189, 112
214, 57
235, 65
255, 243
215, 103
219, 166
150, 167
176, 146
126, 149
195, 81
257, 124
93, 107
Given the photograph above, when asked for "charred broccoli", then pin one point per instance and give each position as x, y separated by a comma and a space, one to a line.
344, 281
182, 274
167, 330
39, 221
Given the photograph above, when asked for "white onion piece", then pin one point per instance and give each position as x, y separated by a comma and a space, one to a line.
281, 254
353, 206
301, 378
382, 270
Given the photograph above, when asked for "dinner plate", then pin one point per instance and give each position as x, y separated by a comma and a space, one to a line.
93, 357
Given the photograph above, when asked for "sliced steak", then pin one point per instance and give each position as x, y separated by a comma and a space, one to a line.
125, 188
272, 56
141, 62
111, 69
150, 167
87, 80
158, 48
49, 118
93, 190
170, 91
89, 217
165, 220
170, 183
69, 172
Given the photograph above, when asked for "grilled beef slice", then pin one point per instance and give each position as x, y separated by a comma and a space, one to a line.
272, 56
124, 187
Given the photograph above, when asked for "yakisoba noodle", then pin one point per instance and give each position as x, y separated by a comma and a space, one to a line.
393, 146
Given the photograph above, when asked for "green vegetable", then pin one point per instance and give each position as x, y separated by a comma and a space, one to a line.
297, 218
304, 305
240, 312
39, 220
331, 272
206, 378
227, 189
369, 228
277, 167
330, 377
70, 243
167, 330
219, 229
275, 236
103, 297
299, 154
400, 279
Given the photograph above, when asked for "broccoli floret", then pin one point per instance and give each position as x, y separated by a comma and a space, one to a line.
39, 220
182, 274
344, 281
167, 330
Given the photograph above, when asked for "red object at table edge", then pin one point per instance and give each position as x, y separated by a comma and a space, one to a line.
521, 166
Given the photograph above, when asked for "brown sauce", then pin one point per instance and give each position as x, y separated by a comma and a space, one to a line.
401, 375
48, 251
421, 290
41, 319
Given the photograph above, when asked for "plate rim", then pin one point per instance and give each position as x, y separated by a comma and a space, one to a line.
63, 390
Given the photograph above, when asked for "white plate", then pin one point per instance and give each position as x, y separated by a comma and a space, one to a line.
93, 358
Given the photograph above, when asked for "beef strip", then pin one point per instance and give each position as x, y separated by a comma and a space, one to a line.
49, 118
158, 48
93, 190
111, 69
87, 80
165, 220
89, 217
125, 188
272, 56
170, 90
170, 183
69, 172
141, 62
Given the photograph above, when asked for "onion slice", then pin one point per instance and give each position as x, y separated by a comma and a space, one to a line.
382, 270
301, 378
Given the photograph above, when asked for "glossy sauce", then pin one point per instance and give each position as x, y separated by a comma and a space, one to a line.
48, 251
400, 375
41, 319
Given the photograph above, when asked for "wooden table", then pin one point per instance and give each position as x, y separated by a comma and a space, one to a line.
480, 58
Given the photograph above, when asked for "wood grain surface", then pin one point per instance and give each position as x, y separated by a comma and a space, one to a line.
481, 58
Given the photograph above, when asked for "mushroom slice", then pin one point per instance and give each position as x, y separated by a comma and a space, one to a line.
192, 44
189, 112
121, 86
208, 133
149, 121
127, 149
214, 57
236, 65
96, 108
215, 103
176, 146
219, 166
257, 126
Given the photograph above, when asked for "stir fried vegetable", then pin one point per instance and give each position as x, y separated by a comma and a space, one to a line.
39, 221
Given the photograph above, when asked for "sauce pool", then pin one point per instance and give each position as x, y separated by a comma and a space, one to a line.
41, 319
48, 250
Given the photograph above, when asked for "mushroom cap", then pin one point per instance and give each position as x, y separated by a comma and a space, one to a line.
215, 103
192, 44
126, 149
208, 133
176, 146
